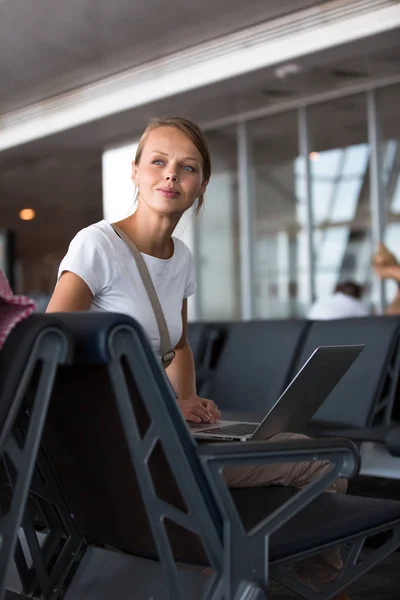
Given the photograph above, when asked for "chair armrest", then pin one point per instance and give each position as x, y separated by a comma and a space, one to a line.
393, 441
341, 452
342, 455
357, 434
386, 435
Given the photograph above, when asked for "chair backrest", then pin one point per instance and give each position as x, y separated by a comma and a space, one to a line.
28, 364
115, 434
254, 364
20, 345
367, 392
205, 340
196, 336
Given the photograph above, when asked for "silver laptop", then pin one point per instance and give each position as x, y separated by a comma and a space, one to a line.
298, 403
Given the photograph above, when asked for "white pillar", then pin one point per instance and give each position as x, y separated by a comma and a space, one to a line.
118, 189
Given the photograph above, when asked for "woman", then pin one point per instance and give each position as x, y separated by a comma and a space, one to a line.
171, 171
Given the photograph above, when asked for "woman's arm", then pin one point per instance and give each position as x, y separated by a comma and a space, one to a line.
394, 307
181, 371
181, 374
391, 272
71, 293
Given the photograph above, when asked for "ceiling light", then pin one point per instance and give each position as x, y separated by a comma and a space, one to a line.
27, 214
314, 156
286, 70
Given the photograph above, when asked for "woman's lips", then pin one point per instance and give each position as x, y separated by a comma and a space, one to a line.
168, 193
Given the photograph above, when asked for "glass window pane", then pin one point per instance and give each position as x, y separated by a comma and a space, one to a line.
388, 102
338, 129
331, 247
325, 164
219, 264
389, 156
395, 207
322, 198
346, 199
355, 160
280, 243
300, 192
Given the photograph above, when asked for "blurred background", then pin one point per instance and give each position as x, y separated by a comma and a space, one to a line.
300, 102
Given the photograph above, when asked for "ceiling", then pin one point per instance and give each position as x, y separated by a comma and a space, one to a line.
47, 48
60, 176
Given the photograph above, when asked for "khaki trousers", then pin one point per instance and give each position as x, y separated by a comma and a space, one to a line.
316, 571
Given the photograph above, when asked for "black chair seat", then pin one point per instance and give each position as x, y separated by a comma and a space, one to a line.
328, 518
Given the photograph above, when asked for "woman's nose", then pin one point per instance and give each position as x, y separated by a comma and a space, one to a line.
171, 176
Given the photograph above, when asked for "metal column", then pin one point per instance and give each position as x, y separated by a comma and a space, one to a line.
246, 220
304, 151
377, 202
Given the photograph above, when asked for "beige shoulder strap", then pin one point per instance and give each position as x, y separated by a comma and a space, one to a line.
167, 354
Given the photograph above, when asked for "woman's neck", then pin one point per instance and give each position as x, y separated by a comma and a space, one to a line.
151, 233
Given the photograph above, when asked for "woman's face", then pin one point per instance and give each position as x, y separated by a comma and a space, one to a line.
170, 172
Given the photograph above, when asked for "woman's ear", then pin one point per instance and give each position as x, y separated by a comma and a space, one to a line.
134, 173
203, 188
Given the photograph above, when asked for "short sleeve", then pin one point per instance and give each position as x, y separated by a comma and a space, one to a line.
191, 284
89, 257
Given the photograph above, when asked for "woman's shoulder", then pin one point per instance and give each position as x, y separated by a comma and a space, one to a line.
98, 234
181, 252
89, 255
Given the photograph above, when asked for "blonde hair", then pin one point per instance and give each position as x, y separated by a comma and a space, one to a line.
192, 131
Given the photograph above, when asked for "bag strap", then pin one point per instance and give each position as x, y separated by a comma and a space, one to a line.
167, 354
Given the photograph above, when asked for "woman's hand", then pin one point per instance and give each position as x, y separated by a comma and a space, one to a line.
388, 272
199, 410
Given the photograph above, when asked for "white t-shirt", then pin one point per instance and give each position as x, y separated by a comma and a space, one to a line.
337, 306
99, 256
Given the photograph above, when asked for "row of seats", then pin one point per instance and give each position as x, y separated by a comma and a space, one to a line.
90, 427
244, 366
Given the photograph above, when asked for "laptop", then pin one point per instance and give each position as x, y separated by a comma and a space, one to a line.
297, 404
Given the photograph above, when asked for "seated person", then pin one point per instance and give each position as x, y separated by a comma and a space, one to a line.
344, 303
13, 309
386, 265
171, 170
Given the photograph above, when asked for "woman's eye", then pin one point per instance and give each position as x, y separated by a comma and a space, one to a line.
188, 168
157, 161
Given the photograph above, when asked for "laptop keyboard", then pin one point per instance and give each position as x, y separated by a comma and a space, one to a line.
239, 429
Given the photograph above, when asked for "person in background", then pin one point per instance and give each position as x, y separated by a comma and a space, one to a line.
344, 303
13, 308
386, 265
